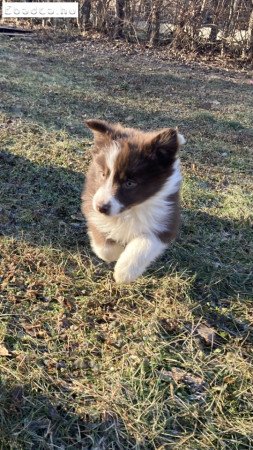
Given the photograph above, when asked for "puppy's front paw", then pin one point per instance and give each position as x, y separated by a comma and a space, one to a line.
124, 276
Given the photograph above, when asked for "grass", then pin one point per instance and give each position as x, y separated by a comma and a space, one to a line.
165, 363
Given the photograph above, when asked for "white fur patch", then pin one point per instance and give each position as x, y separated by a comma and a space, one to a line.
151, 216
104, 194
108, 252
111, 155
181, 139
137, 256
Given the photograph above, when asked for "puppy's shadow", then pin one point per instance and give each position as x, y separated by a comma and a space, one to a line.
215, 252
30, 418
40, 204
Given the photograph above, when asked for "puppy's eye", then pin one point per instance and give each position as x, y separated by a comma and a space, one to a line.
129, 184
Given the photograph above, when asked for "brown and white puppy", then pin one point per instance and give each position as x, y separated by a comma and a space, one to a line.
131, 195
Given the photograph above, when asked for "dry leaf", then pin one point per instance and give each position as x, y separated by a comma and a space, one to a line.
207, 333
3, 351
175, 374
178, 374
194, 382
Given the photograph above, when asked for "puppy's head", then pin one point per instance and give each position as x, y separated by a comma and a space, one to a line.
131, 165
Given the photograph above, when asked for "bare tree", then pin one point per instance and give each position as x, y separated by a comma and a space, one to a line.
250, 33
85, 11
195, 20
214, 25
224, 26
155, 22
120, 16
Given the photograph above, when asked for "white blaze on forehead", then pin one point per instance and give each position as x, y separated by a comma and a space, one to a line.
111, 155
104, 194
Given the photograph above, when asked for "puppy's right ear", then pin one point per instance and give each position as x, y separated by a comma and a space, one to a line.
104, 131
99, 126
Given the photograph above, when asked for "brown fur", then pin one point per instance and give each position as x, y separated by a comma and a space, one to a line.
145, 157
173, 221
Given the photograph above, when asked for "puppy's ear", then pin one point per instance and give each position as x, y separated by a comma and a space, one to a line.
99, 126
164, 146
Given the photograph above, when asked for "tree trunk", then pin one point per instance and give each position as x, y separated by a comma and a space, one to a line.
147, 15
180, 22
85, 15
155, 22
214, 32
101, 16
120, 16
195, 23
250, 34
214, 29
229, 25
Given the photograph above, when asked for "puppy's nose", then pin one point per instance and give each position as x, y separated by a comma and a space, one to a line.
105, 208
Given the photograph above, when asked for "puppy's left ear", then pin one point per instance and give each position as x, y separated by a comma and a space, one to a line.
164, 146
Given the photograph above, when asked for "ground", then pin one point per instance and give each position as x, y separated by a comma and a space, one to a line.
165, 363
